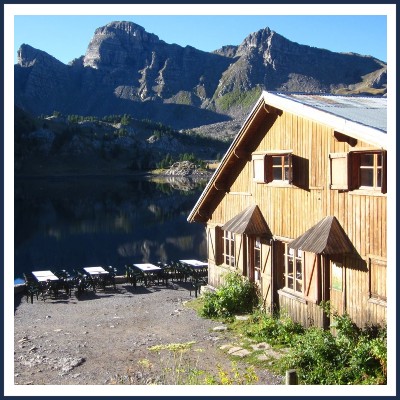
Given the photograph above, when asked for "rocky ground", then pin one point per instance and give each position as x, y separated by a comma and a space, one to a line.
128, 336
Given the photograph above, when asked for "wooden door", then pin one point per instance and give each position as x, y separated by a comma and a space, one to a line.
337, 286
259, 268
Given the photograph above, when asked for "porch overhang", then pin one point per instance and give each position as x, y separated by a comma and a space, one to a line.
325, 237
250, 222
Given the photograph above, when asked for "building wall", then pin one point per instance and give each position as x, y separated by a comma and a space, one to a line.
290, 211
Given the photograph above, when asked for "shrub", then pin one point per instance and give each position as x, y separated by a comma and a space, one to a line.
274, 330
352, 356
236, 295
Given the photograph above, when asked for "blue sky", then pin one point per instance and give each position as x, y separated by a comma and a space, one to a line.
67, 36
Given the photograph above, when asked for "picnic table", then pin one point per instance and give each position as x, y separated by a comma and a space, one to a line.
48, 283
101, 277
198, 273
150, 272
195, 263
44, 276
147, 267
95, 271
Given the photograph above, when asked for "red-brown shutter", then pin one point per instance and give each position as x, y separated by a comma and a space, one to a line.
384, 172
354, 170
268, 169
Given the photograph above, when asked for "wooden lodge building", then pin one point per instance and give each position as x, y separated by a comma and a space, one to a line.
298, 205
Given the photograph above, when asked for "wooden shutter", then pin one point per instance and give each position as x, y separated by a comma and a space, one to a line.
218, 245
339, 163
258, 161
311, 276
300, 171
384, 172
268, 169
215, 244
354, 170
377, 278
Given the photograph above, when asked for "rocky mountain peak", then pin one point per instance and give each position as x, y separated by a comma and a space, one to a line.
257, 39
27, 56
116, 43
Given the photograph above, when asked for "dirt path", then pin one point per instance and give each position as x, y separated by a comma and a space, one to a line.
105, 338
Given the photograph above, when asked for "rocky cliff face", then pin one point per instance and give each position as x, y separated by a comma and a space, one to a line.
128, 70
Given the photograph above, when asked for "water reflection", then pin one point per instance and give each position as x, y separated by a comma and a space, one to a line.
72, 223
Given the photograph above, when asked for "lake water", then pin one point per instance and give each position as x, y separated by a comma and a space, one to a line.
79, 222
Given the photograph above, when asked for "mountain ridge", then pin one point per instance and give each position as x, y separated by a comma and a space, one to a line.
127, 70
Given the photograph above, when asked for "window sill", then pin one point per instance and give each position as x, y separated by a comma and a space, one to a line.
377, 301
280, 184
366, 192
226, 266
293, 296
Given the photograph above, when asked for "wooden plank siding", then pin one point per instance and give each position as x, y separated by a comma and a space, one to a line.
289, 211
307, 314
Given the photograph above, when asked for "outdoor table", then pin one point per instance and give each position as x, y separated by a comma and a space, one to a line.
198, 273
98, 277
148, 267
150, 271
44, 276
48, 281
195, 263
95, 270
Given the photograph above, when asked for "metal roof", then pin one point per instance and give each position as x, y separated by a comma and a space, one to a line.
250, 221
369, 111
360, 117
326, 237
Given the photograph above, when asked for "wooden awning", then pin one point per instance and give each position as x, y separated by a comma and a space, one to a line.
326, 237
250, 222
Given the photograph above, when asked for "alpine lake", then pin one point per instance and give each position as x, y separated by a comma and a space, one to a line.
75, 222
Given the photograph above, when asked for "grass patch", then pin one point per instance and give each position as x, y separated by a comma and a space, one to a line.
238, 98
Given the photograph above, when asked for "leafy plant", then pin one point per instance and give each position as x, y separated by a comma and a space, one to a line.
351, 356
276, 330
236, 295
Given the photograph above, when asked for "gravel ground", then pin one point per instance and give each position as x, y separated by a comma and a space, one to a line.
104, 338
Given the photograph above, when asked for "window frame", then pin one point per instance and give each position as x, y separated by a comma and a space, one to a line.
292, 257
255, 254
283, 167
263, 167
228, 249
345, 171
374, 168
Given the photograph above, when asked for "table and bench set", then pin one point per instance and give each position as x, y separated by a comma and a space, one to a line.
193, 271
47, 283
50, 284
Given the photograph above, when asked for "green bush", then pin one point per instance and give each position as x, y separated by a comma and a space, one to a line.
236, 295
351, 356
274, 330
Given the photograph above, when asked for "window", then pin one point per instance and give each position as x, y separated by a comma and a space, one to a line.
229, 248
337, 276
371, 170
358, 170
294, 266
281, 168
377, 279
268, 167
257, 259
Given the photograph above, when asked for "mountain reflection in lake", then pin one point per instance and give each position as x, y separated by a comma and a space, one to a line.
77, 222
